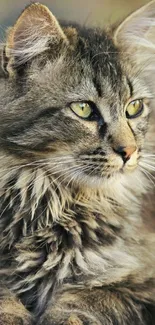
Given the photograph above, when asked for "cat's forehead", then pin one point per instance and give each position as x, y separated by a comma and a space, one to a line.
97, 49
90, 70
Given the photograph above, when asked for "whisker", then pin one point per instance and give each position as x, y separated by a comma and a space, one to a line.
52, 166
147, 165
148, 175
67, 171
35, 180
147, 155
43, 161
73, 178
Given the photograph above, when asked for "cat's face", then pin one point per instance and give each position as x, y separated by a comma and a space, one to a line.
80, 112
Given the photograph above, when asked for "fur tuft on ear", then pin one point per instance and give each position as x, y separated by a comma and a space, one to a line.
137, 26
31, 34
135, 38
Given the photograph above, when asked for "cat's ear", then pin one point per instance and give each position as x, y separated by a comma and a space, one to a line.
135, 37
31, 35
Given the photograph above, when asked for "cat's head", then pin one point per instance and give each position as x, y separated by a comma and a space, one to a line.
77, 100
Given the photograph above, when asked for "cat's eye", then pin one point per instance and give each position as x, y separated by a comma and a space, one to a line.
81, 109
135, 108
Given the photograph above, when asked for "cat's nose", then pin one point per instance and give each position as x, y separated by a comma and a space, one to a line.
125, 152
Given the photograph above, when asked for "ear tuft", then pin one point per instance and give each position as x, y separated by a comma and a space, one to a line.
135, 38
137, 26
31, 34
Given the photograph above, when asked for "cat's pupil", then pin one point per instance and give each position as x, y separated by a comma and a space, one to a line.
82, 106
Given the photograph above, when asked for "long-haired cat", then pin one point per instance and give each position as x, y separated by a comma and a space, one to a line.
76, 172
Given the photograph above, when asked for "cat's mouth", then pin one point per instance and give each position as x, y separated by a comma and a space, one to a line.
91, 168
103, 167
132, 163
102, 174
131, 167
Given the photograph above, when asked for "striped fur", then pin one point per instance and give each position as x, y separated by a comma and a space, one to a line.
76, 229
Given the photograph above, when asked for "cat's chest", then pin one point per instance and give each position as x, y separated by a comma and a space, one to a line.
76, 250
67, 242
82, 246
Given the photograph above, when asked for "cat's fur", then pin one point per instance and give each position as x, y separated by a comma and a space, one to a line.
76, 233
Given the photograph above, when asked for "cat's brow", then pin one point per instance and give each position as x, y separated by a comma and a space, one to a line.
47, 112
97, 86
130, 86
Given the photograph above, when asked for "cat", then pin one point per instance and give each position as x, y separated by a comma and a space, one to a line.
76, 171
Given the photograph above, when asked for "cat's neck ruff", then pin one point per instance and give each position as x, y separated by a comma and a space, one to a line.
24, 184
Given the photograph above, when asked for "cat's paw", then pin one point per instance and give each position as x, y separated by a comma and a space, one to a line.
13, 312
77, 320
8, 319
73, 319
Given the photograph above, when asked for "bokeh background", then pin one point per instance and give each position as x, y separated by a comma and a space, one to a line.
87, 12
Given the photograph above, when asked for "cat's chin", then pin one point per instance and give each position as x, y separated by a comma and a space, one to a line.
130, 169
98, 181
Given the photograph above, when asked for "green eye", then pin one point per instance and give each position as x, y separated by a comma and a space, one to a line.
134, 108
81, 109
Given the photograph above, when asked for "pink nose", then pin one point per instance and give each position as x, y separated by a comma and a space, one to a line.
129, 151
125, 152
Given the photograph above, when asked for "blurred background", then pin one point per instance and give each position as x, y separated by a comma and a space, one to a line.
87, 12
